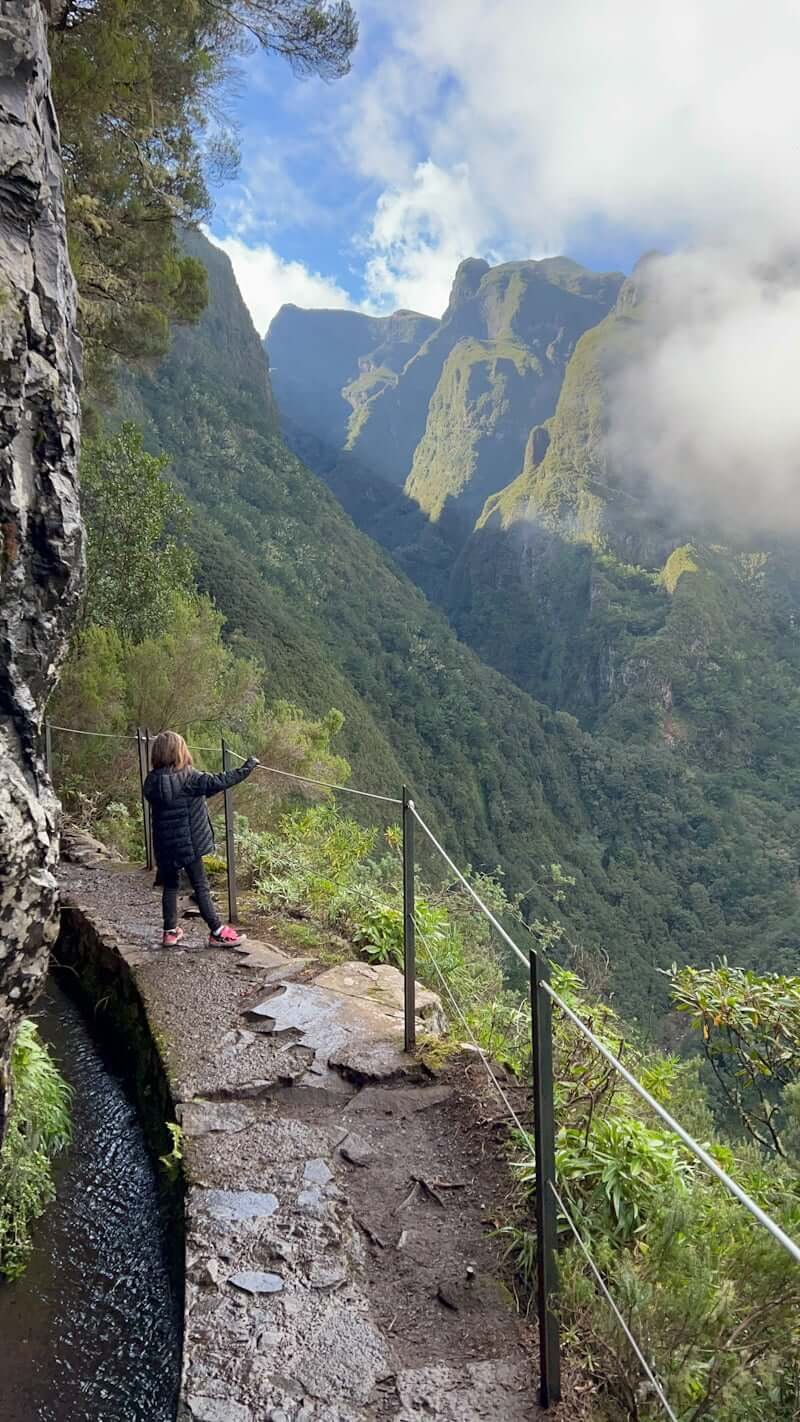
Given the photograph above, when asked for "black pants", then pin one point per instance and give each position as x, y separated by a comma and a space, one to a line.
170, 879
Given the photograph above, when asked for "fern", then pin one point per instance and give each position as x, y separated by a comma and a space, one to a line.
38, 1128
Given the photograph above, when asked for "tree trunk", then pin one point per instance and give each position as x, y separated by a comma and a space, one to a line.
41, 551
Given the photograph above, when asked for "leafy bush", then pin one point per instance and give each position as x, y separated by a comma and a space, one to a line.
749, 1026
38, 1128
710, 1298
712, 1302
120, 830
380, 935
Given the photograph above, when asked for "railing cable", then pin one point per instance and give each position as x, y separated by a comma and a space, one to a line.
326, 784
691, 1144
106, 735
271, 769
614, 1306
479, 901
529, 1142
484, 1058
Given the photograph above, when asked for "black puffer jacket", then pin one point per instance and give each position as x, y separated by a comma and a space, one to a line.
181, 827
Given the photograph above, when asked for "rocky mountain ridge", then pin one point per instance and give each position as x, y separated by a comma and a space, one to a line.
448, 421
562, 575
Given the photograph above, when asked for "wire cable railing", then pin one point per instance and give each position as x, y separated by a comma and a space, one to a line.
646, 1367
614, 1306
548, 1196
104, 735
688, 1141
550, 1201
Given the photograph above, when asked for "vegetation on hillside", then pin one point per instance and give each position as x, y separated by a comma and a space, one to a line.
672, 862
485, 386
150, 653
38, 1129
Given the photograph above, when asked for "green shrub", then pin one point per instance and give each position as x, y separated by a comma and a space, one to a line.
38, 1128
120, 830
379, 935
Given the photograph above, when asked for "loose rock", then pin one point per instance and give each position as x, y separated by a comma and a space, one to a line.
356, 1150
255, 1283
317, 1173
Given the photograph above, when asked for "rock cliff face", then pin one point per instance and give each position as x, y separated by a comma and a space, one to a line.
345, 358
445, 407
40, 529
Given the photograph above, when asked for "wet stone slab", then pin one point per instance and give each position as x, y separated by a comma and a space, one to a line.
235, 1205
252, 1282
199, 1118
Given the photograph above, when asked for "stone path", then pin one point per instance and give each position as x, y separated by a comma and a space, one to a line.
340, 1198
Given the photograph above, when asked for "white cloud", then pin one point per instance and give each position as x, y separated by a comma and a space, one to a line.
669, 113
267, 281
676, 117
420, 232
265, 198
504, 128
708, 413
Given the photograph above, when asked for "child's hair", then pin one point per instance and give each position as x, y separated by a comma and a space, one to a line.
169, 751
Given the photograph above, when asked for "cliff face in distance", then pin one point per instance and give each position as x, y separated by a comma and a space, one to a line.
577, 580
447, 420
345, 358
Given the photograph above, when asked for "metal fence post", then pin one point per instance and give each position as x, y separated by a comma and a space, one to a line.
230, 847
151, 859
48, 750
143, 768
409, 929
546, 1222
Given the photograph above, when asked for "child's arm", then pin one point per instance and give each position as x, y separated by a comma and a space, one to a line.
202, 782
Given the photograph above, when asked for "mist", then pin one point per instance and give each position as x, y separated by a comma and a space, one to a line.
707, 413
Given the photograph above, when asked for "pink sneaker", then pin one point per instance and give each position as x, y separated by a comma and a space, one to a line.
225, 937
172, 937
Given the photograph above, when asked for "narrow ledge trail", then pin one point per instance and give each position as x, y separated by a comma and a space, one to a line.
341, 1197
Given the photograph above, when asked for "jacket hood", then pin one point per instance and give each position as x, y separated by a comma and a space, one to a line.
164, 785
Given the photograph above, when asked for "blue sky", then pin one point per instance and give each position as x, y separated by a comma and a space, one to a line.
331, 208
497, 128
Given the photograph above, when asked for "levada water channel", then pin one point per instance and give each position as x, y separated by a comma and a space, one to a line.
91, 1333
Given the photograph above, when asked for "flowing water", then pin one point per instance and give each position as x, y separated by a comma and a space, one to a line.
91, 1332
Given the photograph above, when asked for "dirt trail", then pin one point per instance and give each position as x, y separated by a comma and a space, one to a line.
340, 1265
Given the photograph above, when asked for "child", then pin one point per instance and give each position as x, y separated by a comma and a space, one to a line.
182, 831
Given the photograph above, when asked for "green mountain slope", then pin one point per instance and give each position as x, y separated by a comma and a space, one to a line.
345, 358
623, 613
669, 862
441, 425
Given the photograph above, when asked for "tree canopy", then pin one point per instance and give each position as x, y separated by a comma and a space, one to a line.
139, 92
134, 564
749, 1025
